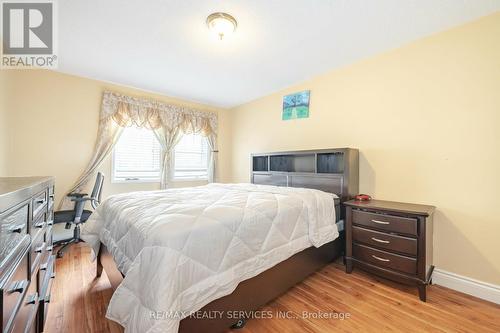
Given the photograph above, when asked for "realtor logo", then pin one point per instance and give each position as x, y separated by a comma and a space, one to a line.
28, 35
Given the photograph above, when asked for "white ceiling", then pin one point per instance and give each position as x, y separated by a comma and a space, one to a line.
165, 47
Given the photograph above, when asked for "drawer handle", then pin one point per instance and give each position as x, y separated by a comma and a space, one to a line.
18, 286
32, 298
380, 240
381, 259
40, 201
51, 222
380, 222
43, 267
40, 248
53, 276
49, 248
39, 225
17, 229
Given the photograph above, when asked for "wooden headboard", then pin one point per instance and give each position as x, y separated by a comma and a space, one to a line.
329, 170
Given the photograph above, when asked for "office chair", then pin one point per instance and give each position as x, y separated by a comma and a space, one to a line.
73, 218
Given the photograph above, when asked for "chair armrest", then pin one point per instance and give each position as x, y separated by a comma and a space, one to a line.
77, 195
79, 206
80, 199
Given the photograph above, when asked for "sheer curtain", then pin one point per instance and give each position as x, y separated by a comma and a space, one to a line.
107, 136
168, 122
212, 163
168, 139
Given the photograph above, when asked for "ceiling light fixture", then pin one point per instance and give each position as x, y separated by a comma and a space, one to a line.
221, 24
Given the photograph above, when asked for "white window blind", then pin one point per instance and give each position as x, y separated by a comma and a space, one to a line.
136, 156
191, 158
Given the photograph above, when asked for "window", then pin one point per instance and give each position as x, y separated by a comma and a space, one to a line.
191, 158
136, 156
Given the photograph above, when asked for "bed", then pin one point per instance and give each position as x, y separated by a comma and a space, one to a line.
188, 260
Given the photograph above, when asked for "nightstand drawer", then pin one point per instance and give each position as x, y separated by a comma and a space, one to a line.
384, 259
386, 241
384, 222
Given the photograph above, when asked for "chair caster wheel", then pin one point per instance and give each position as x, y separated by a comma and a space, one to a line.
239, 324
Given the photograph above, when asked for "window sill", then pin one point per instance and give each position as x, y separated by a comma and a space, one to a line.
150, 181
189, 180
135, 181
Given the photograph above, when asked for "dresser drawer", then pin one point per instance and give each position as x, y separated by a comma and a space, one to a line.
25, 320
48, 237
386, 241
384, 259
51, 197
39, 203
16, 221
46, 269
384, 222
42, 267
37, 250
13, 229
50, 217
37, 225
46, 291
14, 291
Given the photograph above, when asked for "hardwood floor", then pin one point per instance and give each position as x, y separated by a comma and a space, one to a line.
79, 304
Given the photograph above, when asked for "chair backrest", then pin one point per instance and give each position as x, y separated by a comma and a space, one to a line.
97, 191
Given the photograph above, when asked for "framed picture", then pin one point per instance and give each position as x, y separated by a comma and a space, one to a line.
296, 105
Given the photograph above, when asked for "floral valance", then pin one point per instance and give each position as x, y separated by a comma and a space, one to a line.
132, 111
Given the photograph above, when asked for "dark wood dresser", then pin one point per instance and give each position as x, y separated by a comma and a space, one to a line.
391, 239
26, 260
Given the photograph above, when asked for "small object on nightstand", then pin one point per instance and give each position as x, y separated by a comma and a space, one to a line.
362, 197
391, 239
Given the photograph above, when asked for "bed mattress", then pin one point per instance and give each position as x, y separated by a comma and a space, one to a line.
180, 249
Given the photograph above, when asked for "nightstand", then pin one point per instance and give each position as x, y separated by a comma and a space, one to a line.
392, 240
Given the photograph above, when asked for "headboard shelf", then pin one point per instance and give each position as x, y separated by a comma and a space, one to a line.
260, 163
330, 170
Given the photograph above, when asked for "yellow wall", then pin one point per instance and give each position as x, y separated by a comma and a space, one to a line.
426, 118
53, 120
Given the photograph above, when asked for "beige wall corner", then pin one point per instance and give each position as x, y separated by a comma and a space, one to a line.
224, 173
427, 122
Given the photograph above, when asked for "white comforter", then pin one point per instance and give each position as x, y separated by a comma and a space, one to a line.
180, 249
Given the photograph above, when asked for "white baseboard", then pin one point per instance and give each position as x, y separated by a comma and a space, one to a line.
466, 285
